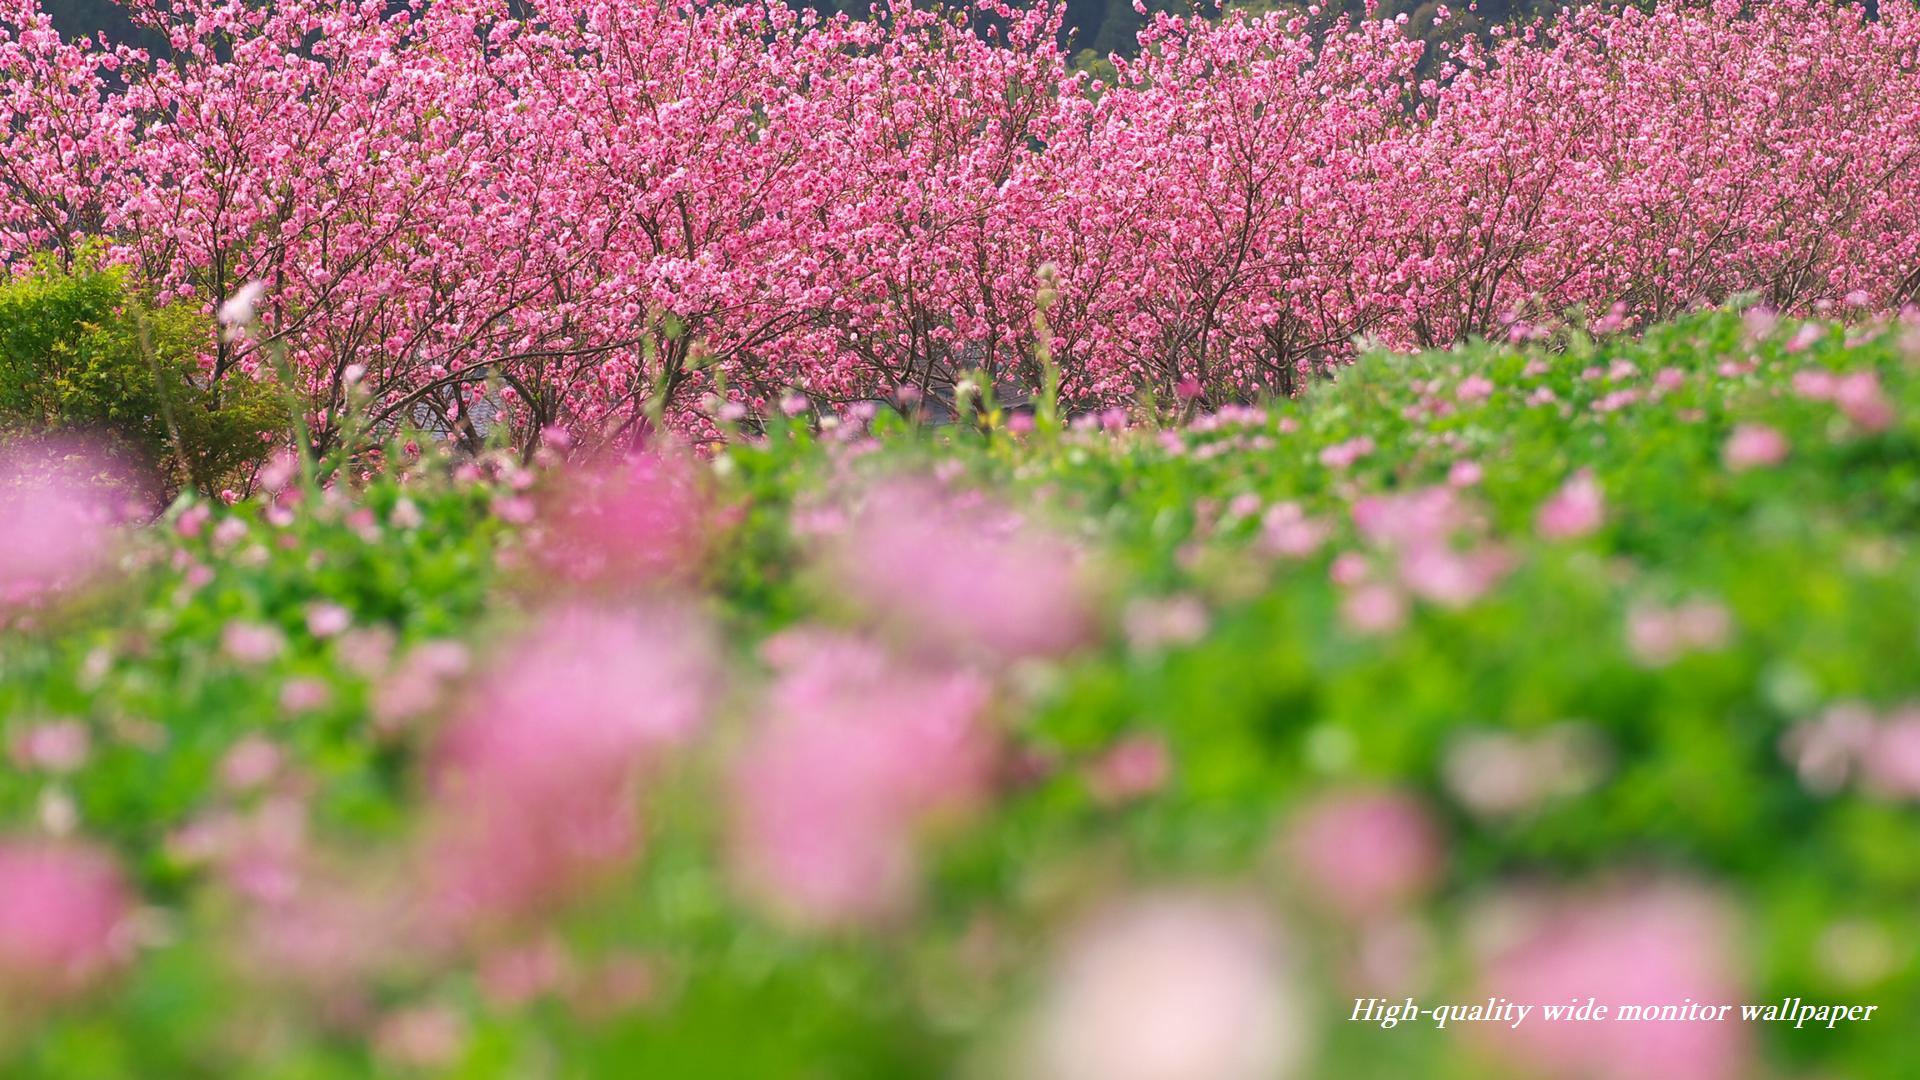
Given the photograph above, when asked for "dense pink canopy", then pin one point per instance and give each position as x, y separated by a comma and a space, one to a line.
614, 209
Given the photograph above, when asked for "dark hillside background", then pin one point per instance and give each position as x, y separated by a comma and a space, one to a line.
77, 18
1095, 28
1099, 27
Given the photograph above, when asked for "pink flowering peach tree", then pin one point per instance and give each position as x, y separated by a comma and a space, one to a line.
581, 214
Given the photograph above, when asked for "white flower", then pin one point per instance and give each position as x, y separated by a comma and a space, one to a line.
237, 311
1177, 986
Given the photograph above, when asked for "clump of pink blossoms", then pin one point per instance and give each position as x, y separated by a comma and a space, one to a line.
1501, 774
1133, 768
534, 782
1850, 741
859, 752
1364, 853
1754, 446
64, 912
964, 574
1577, 509
57, 746
1174, 986
1658, 636
1657, 945
625, 520
1858, 395
56, 528
1428, 536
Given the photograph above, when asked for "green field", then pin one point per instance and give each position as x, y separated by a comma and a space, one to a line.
1624, 633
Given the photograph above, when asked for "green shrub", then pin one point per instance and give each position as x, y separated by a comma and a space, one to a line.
81, 352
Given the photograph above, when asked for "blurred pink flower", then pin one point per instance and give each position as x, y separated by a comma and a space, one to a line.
1497, 774
1890, 762
1362, 853
1157, 622
514, 509
1474, 388
616, 984
1420, 517
1754, 446
1805, 337
1575, 510
64, 913
416, 685
249, 763
1177, 986
1442, 575
1658, 636
1133, 768
515, 975
56, 526
1391, 956
427, 1037
57, 746
1287, 531
1464, 474
1344, 455
1815, 384
228, 532
964, 573
192, 520
365, 651
1349, 568
1374, 608
1858, 395
251, 643
326, 620
279, 471
324, 930
1826, 751
261, 855
627, 521
1652, 946
304, 695
534, 782
857, 753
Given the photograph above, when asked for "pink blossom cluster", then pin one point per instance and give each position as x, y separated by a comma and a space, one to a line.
874, 735
62, 513
1849, 743
535, 783
65, 920
1659, 942
1429, 543
857, 754
1173, 985
540, 759
595, 215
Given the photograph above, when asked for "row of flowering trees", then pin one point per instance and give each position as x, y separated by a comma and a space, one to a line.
608, 210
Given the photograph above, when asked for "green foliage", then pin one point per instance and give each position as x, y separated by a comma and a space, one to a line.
81, 352
1814, 559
